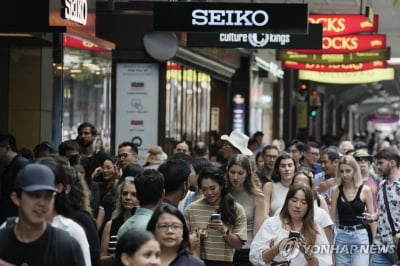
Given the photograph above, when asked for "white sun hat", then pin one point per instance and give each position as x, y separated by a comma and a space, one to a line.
239, 141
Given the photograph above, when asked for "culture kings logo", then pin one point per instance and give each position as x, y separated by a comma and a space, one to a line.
204, 17
254, 39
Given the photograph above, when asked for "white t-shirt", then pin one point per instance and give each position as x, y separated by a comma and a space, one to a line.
272, 230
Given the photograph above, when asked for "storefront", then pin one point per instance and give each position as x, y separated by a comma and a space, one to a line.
50, 58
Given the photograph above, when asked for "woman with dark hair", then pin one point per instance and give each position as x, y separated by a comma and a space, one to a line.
137, 248
194, 193
125, 206
282, 176
169, 226
219, 221
292, 238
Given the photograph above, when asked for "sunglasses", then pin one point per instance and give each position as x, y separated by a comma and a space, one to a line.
363, 158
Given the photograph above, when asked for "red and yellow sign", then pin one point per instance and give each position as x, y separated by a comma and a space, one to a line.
336, 25
342, 58
347, 44
76, 43
365, 76
335, 67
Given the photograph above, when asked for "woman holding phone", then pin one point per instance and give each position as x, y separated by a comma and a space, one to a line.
350, 199
275, 242
218, 219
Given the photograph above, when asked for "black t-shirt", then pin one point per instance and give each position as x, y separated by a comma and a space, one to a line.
54, 247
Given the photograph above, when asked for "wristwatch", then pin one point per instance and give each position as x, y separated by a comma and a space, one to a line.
226, 233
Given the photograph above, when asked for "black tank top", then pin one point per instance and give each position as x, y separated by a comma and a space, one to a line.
348, 210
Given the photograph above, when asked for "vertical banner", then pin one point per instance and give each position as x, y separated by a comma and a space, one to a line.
238, 113
136, 105
302, 114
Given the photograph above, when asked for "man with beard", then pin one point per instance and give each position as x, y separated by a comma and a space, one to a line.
387, 166
87, 134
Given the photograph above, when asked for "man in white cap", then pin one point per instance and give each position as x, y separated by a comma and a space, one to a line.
32, 241
235, 143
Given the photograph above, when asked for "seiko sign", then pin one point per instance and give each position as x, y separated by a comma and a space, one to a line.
257, 18
76, 10
235, 17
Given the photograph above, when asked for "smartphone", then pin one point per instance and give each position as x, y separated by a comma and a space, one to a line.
361, 218
294, 234
215, 216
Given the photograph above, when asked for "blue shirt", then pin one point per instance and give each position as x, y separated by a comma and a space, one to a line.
138, 221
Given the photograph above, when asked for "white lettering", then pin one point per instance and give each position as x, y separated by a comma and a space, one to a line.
204, 17
76, 10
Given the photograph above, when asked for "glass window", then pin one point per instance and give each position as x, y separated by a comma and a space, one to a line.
187, 103
87, 91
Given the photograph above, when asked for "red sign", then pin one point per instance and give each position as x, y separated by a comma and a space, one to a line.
335, 25
348, 44
383, 118
335, 67
76, 43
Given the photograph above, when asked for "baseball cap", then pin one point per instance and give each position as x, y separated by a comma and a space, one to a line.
362, 154
34, 177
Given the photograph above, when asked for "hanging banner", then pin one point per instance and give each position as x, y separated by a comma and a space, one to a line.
372, 75
383, 118
226, 17
347, 58
312, 40
348, 43
337, 25
335, 67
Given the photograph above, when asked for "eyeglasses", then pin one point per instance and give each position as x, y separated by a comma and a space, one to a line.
362, 158
181, 150
46, 195
175, 227
124, 155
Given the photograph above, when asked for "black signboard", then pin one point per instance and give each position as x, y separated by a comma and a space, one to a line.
258, 40
235, 17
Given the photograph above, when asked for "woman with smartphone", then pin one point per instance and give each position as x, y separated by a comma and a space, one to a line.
349, 200
241, 185
292, 237
219, 234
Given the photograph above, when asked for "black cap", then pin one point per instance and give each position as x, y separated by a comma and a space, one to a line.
35, 177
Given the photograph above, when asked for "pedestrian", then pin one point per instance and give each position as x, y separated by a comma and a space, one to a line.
169, 227
292, 237
32, 241
137, 248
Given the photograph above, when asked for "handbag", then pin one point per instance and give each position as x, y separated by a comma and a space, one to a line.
390, 218
364, 223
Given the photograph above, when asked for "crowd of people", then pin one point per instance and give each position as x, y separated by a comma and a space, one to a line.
233, 202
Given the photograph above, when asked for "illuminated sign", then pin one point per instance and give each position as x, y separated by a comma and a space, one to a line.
76, 10
334, 25
372, 75
347, 58
219, 17
335, 67
76, 43
313, 40
349, 43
